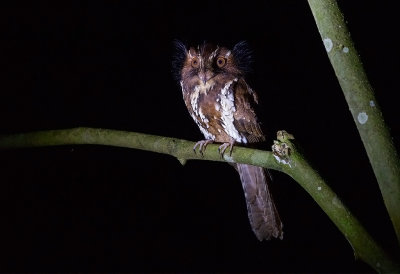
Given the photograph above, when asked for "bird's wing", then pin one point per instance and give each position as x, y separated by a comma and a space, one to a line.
246, 121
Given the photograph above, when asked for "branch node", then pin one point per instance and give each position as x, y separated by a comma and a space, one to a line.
282, 148
182, 161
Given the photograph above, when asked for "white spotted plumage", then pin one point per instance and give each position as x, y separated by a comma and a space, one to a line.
194, 98
203, 118
213, 54
205, 132
227, 103
194, 101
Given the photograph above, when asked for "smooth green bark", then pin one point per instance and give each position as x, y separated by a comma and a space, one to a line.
295, 166
362, 103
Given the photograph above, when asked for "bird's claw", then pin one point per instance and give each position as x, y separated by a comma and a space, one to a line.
202, 145
222, 148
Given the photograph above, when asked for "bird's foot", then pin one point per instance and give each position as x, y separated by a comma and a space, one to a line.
222, 148
202, 145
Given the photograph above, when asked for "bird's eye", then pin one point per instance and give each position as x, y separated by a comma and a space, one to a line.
221, 62
195, 62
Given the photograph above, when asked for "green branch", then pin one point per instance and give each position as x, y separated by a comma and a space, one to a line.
285, 159
362, 103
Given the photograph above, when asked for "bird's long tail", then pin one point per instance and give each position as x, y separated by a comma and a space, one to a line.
263, 216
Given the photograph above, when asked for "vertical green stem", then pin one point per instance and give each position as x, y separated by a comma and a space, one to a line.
362, 103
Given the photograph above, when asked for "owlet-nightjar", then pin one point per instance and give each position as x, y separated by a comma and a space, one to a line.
221, 104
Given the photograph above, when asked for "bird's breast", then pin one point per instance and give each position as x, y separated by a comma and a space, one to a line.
212, 106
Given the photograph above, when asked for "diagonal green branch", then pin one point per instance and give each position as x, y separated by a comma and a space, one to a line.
362, 103
294, 165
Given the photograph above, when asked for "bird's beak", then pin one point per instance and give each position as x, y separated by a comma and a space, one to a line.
205, 76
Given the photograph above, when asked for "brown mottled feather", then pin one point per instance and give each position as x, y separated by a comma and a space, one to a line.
263, 216
245, 117
204, 87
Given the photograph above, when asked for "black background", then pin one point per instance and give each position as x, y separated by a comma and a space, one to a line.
108, 64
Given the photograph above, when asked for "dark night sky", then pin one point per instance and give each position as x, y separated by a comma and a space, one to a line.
108, 64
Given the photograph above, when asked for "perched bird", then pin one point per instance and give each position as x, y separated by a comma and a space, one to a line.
221, 103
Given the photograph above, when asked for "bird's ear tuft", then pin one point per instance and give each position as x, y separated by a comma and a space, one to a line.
180, 52
243, 56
